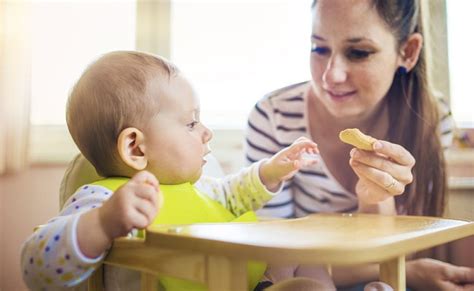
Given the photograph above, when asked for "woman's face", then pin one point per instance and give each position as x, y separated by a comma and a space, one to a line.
353, 56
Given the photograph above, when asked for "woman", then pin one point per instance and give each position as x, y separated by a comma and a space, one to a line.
368, 71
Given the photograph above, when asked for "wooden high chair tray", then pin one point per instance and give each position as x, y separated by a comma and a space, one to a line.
318, 238
216, 254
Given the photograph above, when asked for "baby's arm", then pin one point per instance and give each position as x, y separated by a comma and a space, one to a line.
133, 205
51, 256
247, 189
63, 253
240, 192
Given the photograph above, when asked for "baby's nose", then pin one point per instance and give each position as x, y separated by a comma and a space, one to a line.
207, 135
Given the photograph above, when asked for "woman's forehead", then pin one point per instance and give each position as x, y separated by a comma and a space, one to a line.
351, 27
347, 19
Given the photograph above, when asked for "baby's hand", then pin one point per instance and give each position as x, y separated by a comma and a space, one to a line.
284, 164
134, 205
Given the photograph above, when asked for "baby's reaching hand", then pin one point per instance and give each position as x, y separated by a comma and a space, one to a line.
134, 205
284, 164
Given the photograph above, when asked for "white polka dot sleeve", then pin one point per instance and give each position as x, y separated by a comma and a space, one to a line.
239, 192
50, 257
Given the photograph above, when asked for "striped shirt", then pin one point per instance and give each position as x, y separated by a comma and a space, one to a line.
274, 123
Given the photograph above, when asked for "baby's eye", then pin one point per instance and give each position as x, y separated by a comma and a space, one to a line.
319, 50
356, 54
192, 125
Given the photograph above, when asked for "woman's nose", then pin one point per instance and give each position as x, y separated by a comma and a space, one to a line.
335, 72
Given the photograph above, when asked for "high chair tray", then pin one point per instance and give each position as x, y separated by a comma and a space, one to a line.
216, 254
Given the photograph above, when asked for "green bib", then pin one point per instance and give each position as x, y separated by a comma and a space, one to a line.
184, 204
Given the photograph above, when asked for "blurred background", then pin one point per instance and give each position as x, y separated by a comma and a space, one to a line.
232, 51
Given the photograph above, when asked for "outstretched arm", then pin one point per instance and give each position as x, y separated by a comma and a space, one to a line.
255, 185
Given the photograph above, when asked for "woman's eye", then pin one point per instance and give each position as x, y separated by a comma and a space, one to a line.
192, 124
319, 50
355, 54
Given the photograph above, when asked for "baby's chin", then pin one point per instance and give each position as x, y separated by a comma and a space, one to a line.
196, 177
180, 178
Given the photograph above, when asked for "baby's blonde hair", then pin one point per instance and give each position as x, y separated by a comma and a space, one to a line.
119, 90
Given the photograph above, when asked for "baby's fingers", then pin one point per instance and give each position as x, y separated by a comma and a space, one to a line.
303, 146
145, 177
147, 210
137, 219
148, 193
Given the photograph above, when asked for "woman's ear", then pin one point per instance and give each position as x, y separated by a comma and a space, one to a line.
410, 51
131, 148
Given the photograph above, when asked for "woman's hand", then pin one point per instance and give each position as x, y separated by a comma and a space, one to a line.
284, 164
383, 172
429, 274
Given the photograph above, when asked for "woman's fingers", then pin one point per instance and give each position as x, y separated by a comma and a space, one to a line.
401, 173
384, 171
463, 275
383, 180
369, 192
395, 152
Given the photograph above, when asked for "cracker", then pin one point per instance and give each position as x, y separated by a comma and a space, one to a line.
355, 137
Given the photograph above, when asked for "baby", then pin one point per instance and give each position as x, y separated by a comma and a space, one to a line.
135, 117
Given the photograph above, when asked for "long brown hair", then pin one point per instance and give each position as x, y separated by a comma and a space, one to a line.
414, 115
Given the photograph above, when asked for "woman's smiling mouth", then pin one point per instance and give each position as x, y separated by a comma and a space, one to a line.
340, 95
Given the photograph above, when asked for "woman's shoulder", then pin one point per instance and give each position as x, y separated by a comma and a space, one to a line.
281, 110
444, 111
294, 92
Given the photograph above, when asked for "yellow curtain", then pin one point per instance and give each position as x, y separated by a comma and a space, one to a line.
15, 84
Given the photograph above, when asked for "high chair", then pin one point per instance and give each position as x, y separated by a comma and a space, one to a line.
80, 172
216, 254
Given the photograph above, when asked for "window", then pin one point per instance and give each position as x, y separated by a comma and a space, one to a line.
461, 63
234, 52
67, 36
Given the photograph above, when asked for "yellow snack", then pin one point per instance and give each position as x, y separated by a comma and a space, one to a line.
355, 137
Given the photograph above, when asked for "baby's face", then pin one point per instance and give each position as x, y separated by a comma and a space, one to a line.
175, 139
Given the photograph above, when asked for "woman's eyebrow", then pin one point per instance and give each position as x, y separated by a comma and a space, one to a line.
351, 40
315, 36
358, 39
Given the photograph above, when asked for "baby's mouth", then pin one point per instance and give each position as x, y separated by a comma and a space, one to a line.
207, 151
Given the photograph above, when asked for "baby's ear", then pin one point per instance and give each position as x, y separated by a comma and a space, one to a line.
130, 144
